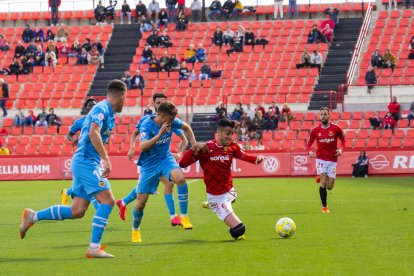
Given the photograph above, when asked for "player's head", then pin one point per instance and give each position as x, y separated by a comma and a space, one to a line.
166, 112
325, 115
225, 130
116, 94
158, 98
89, 104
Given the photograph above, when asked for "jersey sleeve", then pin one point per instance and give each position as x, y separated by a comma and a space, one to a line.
310, 140
341, 137
240, 154
178, 132
140, 122
77, 126
98, 115
144, 134
188, 159
176, 124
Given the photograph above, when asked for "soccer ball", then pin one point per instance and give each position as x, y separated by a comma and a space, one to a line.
285, 227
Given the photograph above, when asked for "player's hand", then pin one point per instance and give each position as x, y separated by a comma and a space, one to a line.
163, 128
338, 152
200, 148
259, 159
312, 154
107, 166
75, 142
177, 156
130, 154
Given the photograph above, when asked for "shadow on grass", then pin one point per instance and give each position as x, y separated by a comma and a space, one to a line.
184, 242
13, 260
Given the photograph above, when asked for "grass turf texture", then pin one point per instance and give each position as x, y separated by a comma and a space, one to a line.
369, 231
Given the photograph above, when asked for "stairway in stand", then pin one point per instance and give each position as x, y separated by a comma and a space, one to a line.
203, 126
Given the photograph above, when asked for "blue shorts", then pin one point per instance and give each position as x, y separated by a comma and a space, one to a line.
149, 178
87, 180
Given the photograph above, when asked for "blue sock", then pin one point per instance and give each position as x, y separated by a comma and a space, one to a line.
130, 197
95, 203
183, 198
57, 212
169, 199
136, 222
99, 222
69, 191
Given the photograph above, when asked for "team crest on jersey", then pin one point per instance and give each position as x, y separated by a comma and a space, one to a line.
100, 116
101, 184
143, 134
330, 133
319, 134
225, 149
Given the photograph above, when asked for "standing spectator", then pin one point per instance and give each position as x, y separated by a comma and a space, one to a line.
153, 64
305, 60
390, 4
249, 38
316, 60
377, 61
127, 79
217, 38
278, 6
315, 35
100, 14
146, 55
228, 36
181, 6
216, 70
361, 166
287, 115
4, 46
53, 119
205, 72
42, 120
214, 10
189, 55
389, 60
376, 121
238, 8
394, 108
19, 50
165, 39
138, 82
140, 10
30, 119
182, 22
50, 35
328, 33
171, 9
237, 112
146, 25
19, 119
154, 40
83, 57
39, 35
165, 62
184, 72
126, 11
294, 6
147, 110
174, 64
163, 19
153, 10
196, 11
110, 10
201, 53
39, 59
4, 95
27, 34
389, 122
62, 34
95, 57
54, 10
370, 79
333, 14
227, 9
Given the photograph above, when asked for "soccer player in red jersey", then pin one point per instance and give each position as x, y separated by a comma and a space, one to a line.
216, 157
326, 136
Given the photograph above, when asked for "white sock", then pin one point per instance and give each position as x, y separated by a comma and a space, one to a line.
173, 216
35, 218
94, 245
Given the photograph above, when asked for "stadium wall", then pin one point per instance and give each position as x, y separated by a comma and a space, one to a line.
276, 165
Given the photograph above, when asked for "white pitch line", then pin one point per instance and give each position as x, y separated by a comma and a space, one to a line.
192, 181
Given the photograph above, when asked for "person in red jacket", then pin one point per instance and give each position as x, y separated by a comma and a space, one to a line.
394, 108
389, 122
54, 9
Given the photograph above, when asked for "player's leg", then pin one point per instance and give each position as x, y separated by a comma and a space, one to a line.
331, 175
322, 170
169, 200
138, 214
177, 176
236, 226
122, 203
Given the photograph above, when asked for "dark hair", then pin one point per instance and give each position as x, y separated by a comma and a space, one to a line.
167, 108
89, 100
226, 123
158, 95
324, 108
116, 87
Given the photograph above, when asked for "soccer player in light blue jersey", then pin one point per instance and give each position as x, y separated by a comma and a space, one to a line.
89, 178
158, 98
156, 160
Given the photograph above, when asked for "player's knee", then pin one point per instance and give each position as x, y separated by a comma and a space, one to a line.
180, 180
238, 230
140, 206
329, 187
78, 213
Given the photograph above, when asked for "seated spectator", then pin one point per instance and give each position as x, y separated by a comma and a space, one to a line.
4, 46
14, 67
246, 145
376, 121
19, 119
62, 34
305, 60
259, 107
164, 62
228, 36
270, 120
51, 47
333, 14
259, 145
146, 25
174, 64
53, 119
196, 10
328, 21
389, 60
275, 110
411, 49
100, 14
205, 72
95, 57
316, 60
110, 10
64, 49
217, 38
214, 10
287, 115
19, 50
394, 108
410, 116
125, 11
154, 40
140, 10
153, 10
162, 19
75, 50
42, 120
201, 53
389, 122
153, 64
246, 118
377, 61
99, 46
237, 112
220, 107
328, 33
227, 9
189, 55
50, 35
237, 45
31, 50
216, 70
3, 149
370, 79
408, 2
138, 82
83, 57
242, 131
238, 8
27, 66
39, 35
361, 166
50, 59
192, 77
184, 72
165, 40
87, 45
127, 79
146, 55
182, 22
27, 34
315, 35
39, 59
147, 110
30, 119
257, 125
249, 38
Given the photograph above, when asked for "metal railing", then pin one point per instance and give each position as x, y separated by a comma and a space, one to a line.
343, 88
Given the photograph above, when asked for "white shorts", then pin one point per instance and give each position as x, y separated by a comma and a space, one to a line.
221, 204
327, 167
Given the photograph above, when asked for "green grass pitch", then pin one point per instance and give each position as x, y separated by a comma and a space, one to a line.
369, 231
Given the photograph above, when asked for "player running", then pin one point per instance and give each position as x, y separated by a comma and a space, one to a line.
156, 160
89, 179
216, 157
326, 135
77, 126
158, 98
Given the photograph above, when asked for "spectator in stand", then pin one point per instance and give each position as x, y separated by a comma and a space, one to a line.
328, 21
163, 19
31, 50
389, 60
99, 46
42, 120
275, 110
333, 14
411, 49
390, 4
249, 38
370, 79
184, 72
389, 122
174, 64
246, 145
75, 50
259, 145
165, 40
270, 120
189, 55
410, 116
214, 10
164, 62
14, 67
153, 10
294, 6
154, 40
328, 33
27, 34
87, 45
127, 79
196, 11
64, 49
316, 60
27, 66
394, 108
376, 121
237, 45
227, 9
217, 38
305, 60
146, 25
4, 95
205, 72
3, 149
315, 35
138, 82
4, 46
53, 119
126, 11
242, 131
95, 57
147, 110
192, 77
154, 64
50, 59
182, 22
278, 6
30, 119
110, 10
52, 48
377, 61
39, 59
228, 36
146, 55
100, 14
19, 50
54, 10
62, 34
83, 57
50, 35
216, 70
361, 166
287, 114
406, 2
238, 8
140, 10
19, 119
246, 119
171, 9
39, 35
257, 125
237, 112
181, 6
201, 53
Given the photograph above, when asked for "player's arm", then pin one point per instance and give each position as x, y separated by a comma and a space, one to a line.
96, 139
146, 144
342, 139
134, 137
309, 144
239, 154
72, 139
188, 158
189, 133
